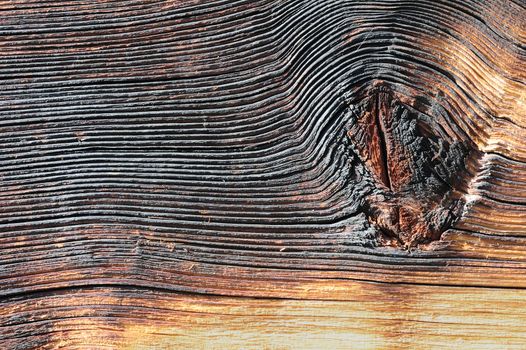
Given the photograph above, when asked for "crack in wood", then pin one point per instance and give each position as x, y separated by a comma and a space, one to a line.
382, 132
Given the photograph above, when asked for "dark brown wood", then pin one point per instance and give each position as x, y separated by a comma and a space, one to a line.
359, 167
417, 171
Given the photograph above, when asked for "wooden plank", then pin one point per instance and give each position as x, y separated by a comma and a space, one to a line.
276, 174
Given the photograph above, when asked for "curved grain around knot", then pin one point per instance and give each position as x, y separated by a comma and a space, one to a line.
231, 146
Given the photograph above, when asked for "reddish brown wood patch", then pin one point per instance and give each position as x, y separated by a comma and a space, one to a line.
417, 170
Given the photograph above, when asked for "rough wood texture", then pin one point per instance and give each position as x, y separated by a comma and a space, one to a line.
262, 174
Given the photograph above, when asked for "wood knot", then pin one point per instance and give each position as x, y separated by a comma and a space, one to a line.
418, 170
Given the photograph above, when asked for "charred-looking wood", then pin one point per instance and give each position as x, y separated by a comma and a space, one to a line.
204, 169
418, 171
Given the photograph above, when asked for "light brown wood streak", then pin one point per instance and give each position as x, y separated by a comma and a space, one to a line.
218, 174
362, 316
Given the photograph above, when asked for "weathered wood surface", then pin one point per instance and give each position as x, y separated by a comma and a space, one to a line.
262, 174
